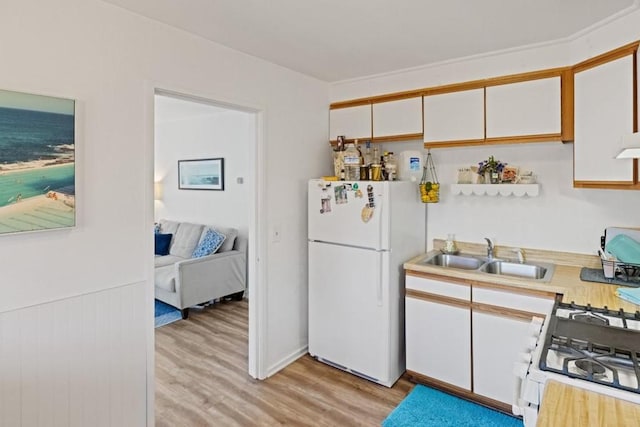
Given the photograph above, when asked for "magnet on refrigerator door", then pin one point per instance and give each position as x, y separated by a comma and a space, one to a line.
341, 194
367, 213
325, 204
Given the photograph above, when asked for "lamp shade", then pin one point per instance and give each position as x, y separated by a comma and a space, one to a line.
631, 144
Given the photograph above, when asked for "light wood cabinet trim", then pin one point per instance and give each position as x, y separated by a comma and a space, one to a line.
609, 185
455, 143
612, 55
523, 139
378, 99
458, 391
438, 299
394, 138
520, 291
441, 278
454, 87
567, 100
510, 313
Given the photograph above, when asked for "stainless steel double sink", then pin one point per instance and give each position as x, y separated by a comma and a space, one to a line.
537, 271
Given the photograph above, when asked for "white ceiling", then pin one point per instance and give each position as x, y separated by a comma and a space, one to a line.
335, 40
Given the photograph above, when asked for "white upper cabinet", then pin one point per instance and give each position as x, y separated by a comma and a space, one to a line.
524, 108
603, 114
454, 116
352, 122
397, 118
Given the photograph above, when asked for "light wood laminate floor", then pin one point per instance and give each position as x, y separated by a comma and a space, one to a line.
202, 380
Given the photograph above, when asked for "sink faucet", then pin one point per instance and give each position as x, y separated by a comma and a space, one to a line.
489, 248
520, 253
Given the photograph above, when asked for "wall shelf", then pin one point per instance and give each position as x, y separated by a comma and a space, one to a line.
518, 190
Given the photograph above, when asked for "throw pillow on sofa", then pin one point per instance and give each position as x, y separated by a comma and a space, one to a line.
210, 243
163, 241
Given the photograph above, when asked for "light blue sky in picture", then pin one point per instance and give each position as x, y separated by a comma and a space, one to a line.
27, 101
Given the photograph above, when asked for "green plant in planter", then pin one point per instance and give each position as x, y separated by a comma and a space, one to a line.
493, 167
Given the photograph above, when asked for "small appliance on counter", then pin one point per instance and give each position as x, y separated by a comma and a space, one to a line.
592, 348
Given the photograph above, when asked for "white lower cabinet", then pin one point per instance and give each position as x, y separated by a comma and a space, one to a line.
497, 340
438, 344
468, 342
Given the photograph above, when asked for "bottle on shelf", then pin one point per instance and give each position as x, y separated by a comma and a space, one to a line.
392, 167
368, 156
351, 163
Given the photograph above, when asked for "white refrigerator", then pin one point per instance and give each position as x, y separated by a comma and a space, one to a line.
360, 234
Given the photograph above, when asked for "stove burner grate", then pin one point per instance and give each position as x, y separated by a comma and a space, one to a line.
590, 367
589, 317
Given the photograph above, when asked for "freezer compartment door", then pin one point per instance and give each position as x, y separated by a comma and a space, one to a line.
349, 309
340, 212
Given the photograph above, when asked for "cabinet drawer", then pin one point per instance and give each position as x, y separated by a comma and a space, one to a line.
514, 300
437, 287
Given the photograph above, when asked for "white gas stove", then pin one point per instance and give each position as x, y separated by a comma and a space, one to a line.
591, 348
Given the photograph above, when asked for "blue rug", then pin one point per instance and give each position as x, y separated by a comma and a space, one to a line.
426, 407
166, 314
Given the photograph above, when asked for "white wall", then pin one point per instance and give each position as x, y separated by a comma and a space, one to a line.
109, 59
229, 135
561, 218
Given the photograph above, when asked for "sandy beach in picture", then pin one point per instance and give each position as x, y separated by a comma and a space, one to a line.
49, 210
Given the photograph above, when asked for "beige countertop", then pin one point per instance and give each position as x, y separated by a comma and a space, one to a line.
562, 405
566, 406
565, 281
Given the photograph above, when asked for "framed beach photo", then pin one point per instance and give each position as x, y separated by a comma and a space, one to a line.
201, 174
37, 162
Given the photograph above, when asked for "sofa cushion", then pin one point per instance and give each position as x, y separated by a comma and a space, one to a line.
230, 240
163, 241
165, 278
169, 227
161, 261
186, 239
209, 244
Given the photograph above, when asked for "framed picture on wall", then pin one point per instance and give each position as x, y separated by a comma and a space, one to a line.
201, 174
37, 162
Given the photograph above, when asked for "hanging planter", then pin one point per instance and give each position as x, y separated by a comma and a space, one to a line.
429, 185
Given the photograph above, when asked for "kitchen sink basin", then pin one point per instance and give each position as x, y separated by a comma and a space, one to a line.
514, 269
455, 261
538, 271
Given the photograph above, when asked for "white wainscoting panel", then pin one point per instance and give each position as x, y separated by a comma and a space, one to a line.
75, 362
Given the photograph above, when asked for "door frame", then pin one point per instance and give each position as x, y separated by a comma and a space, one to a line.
257, 277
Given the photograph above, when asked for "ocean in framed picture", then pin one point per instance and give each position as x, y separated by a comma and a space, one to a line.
37, 162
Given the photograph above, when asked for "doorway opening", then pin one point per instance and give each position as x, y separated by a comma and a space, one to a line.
192, 128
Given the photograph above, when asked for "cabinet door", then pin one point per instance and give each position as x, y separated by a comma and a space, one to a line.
603, 114
438, 341
397, 118
455, 116
497, 340
524, 109
352, 122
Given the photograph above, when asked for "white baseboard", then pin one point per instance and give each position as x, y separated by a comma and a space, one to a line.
286, 361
